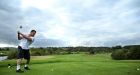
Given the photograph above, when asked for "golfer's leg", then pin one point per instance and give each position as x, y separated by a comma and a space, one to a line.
27, 62
27, 57
19, 58
18, 63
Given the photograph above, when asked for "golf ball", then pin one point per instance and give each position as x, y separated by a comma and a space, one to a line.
9, 66
138, 69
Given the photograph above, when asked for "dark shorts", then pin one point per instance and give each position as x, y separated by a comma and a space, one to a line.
23, 53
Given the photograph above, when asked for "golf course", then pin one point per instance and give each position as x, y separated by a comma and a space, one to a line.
74, 64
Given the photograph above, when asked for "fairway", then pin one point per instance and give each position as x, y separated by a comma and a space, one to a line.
75, 64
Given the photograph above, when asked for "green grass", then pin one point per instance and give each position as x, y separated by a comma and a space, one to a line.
75, 64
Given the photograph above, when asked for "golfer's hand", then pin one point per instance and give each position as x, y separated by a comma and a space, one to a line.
18, 32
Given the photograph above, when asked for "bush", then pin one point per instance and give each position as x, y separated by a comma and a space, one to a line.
119, 54
12, 54
131, 53
91, 52
134, 53
38, 52
2, 53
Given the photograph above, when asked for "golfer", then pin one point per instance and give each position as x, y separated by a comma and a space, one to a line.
23, 49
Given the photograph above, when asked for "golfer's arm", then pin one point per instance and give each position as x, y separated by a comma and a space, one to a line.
26, 37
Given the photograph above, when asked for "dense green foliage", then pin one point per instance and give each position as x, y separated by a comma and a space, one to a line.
129, 52
12, 54
118, 52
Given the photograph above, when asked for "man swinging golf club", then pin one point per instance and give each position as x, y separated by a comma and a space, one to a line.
23, 49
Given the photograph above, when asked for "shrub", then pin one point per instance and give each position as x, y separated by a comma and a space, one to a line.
134, 53
91, 52
37, 52
2, 53
131, 53
119, 54
12, 54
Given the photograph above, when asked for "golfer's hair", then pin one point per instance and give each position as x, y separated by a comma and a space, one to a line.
33, 31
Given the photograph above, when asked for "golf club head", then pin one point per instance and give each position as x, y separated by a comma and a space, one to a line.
9, 65
20, 28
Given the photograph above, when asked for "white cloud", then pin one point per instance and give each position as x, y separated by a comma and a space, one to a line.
80, 21
7, 45
41, 4
83, 22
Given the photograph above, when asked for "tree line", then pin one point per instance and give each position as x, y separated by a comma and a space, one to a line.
117, 52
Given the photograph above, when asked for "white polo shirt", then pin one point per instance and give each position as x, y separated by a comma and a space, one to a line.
24, 43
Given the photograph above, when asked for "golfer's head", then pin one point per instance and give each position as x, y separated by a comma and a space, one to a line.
32, 33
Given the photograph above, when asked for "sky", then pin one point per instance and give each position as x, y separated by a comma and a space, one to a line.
62, 23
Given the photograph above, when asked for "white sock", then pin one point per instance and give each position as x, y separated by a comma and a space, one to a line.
26, 65
18, 67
